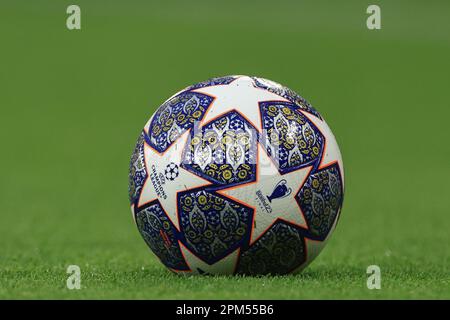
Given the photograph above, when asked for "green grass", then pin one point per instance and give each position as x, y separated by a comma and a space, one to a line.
73, 103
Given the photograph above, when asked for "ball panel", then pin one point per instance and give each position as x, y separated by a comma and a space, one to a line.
291, 139
287, 93
161, 236
280, 250
213, 226
212, 82
138, 173
321, 199
223, 151
175, 116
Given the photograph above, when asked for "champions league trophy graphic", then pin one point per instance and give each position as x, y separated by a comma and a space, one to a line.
280, 191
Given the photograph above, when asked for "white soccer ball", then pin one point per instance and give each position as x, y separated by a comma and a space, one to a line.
236, 175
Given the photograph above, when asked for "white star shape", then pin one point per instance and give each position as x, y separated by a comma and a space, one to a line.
240, 95
257, 195
226, 265
155, 164
331, 153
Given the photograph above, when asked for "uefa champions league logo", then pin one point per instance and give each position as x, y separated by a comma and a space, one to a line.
172, 171
280, 191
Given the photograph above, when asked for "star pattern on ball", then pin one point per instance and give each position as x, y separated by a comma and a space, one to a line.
167, 190
172, 171
198, 266
272, 195
240, 95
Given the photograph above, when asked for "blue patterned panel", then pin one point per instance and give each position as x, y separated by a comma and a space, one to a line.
287, 93
223, 151
212, 82
175, 116
138, 173
280, 250
213, 226
290, 138
321, 199
161, 236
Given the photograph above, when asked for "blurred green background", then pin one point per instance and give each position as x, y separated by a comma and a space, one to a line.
73, 103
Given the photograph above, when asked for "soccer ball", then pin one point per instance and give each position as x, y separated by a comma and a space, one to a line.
236, 175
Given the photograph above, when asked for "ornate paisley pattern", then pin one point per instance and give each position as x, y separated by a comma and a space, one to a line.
160, 235
175, 116
212, 82
291, 139
280, 250
137, 174
223, 151
287, 93
321, 199
213, 226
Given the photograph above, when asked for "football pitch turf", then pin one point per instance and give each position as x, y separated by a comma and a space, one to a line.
73, 104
